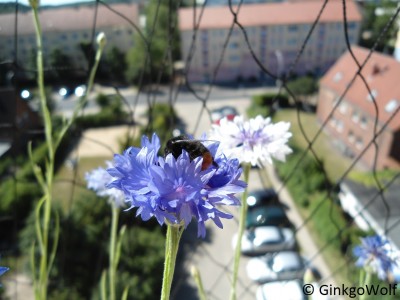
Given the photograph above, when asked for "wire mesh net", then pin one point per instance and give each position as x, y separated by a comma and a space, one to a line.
193, 79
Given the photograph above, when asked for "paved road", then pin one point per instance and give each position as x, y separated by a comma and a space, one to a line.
163, 94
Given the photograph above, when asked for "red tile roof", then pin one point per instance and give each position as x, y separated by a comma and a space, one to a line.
301, 12
382, 73
68, 19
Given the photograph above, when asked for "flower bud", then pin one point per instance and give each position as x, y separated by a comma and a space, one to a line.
101, 39
34, 3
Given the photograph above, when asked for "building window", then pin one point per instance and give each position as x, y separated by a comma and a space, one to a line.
359, 142
355, 117
292, 42
351, 25
338, 76
292, 28
372, 95
233, 45
335, 101
234, 58
351, 137
339, 125
333, 122
363, 122
343, 107
391, 106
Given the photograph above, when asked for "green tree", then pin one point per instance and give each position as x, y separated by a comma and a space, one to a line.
61, 63
116, 62
302, 88
158, 47
376, 16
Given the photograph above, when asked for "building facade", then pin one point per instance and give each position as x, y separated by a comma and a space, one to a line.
275, 33
356, 111
65, 29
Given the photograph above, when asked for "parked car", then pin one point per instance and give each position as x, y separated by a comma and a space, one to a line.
225, 111
267, 215
281, 290
262, 197
287, 290
265, 239
285, 265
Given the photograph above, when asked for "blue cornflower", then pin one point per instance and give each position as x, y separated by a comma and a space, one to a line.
177, 189
3, 270
374, 253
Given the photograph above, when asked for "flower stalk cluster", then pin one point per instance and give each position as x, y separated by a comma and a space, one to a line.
45, 177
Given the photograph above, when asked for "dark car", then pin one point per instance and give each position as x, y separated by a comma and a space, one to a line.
268, 215
262, 198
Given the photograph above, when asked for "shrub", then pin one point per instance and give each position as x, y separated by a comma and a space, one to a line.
163, 120
264, 104
102, 100
102, 119
306, 175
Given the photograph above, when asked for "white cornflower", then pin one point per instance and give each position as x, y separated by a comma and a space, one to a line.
255, 141
98, 179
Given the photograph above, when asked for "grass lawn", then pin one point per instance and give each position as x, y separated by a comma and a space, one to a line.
69, 182
335, 163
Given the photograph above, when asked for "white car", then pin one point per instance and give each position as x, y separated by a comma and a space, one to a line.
281, 290
264, 239
285, 265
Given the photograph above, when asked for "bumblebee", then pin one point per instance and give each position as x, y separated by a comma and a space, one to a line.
193, 147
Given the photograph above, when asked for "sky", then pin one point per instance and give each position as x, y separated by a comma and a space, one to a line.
49, 2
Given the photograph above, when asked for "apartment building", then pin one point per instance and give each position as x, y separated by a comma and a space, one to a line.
357, 118
66, 28
274, 31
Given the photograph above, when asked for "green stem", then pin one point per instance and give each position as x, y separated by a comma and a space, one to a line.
113, 241
42, 222
242, 222
367, 281
199, 283
44, 269
174, 234
40, 83
83, 101
362, 277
